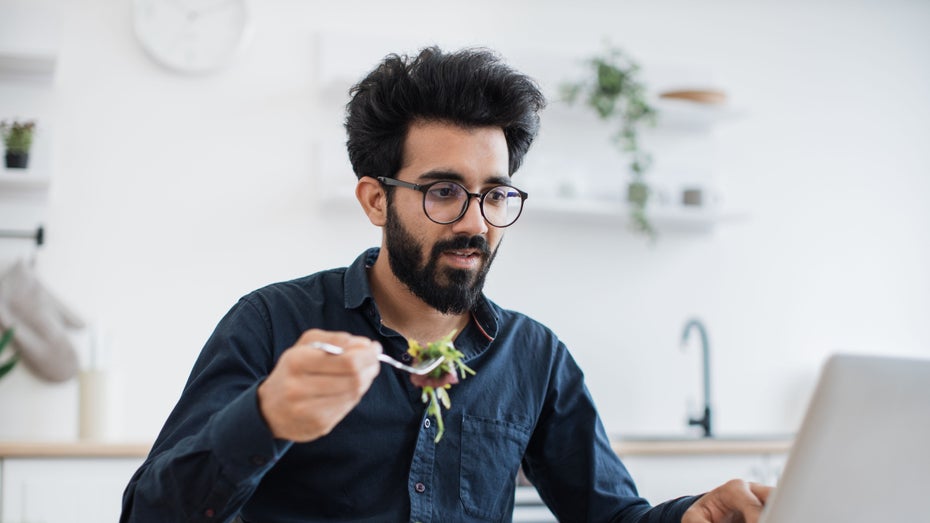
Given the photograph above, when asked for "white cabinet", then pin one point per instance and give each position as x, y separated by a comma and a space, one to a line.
665, 469
64, 490
661, 478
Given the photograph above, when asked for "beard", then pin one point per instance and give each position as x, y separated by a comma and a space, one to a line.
449, 291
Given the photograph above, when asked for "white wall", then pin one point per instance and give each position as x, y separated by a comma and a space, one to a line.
172, 196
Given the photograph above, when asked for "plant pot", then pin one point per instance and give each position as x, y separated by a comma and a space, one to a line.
17, 160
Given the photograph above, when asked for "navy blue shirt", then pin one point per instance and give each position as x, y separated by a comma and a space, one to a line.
527, 405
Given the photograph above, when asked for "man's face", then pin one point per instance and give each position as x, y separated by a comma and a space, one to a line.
445, 265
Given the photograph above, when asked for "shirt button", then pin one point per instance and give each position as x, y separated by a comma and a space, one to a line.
209, 513
419, 487
406, 357
426, 423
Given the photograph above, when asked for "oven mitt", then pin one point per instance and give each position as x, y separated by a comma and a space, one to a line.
40, 322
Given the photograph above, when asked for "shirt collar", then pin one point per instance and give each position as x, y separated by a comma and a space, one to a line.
357, 289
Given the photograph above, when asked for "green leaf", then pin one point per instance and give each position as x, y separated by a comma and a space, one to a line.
5, 339
8, 366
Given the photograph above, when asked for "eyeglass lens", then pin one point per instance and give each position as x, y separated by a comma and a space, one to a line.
446, 202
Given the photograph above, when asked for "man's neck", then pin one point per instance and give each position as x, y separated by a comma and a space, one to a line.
406, 313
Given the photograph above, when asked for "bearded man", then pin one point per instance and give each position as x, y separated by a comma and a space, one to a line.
271, 429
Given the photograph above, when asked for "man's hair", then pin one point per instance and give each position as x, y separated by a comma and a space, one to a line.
468, 88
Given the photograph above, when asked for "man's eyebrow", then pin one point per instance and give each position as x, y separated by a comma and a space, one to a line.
442, 175
445, 175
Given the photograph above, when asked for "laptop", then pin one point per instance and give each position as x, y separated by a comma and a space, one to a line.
862, 454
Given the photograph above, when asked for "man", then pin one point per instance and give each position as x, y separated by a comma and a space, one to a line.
271, 429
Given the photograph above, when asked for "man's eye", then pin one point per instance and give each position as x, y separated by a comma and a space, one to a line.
498, 195
445, 191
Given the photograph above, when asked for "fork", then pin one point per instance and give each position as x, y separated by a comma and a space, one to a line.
420, 369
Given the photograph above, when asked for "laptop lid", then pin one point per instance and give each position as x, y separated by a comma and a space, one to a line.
862, 454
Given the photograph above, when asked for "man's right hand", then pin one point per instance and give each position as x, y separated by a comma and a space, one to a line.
310, 391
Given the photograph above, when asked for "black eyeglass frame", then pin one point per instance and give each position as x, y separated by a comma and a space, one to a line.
424, 188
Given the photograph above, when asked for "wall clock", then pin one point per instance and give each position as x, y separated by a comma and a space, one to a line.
191, 36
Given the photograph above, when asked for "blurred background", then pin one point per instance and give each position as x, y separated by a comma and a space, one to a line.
166, 195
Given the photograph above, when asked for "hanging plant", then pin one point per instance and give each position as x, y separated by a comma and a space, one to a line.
7, 364
615, 93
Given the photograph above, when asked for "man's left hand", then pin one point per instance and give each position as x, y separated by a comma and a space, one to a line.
733, 502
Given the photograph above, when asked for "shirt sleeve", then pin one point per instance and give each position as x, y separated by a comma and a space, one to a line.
215, 446
571, 463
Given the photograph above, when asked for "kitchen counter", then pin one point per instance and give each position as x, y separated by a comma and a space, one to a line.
669, 446
72, 449
637, 446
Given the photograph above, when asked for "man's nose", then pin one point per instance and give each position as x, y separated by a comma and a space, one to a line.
472, 222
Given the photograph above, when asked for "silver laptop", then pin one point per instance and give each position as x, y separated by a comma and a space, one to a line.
862, 454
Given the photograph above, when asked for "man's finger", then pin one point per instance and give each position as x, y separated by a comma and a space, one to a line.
761, 491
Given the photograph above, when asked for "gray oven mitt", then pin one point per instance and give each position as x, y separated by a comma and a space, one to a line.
40, 323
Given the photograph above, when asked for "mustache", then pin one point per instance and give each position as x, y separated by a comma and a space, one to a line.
479, 243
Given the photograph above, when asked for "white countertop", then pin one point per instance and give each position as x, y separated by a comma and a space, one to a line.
638, 446
72, 449
658, 446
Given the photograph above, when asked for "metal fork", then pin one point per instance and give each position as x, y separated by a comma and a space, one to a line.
420, 369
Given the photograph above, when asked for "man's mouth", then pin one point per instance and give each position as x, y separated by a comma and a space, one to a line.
465, 258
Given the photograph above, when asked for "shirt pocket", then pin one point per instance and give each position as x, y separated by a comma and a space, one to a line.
491, 453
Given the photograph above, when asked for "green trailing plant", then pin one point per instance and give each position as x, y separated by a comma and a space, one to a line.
6, 364
17, 136
616, 94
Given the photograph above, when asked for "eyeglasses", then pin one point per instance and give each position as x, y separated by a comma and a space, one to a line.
445, 202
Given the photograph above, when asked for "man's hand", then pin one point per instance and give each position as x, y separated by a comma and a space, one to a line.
310, 391
733, 502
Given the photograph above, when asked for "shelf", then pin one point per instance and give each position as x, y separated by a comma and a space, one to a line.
29, 42
23, 181
664, 218
691, 116
27, 66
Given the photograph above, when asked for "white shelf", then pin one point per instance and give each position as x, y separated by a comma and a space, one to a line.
23, 180
29, 41
665, 218
27, 66
691, 116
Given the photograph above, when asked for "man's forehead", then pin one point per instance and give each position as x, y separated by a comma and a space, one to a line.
444, 151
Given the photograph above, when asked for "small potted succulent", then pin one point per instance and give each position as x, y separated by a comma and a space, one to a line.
17, 137
615, 93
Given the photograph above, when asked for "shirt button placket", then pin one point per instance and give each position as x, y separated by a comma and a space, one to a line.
421, 473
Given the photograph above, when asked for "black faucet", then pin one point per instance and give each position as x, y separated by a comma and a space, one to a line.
703, 422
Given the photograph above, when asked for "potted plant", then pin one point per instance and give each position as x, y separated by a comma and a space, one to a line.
17, 137
616, 94
6, 364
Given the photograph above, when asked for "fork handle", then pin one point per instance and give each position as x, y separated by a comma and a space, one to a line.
335, 349
327, 347
393, 363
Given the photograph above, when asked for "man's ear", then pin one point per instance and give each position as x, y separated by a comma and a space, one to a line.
370, 194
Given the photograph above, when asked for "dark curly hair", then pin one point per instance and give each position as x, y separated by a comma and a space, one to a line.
469, 88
